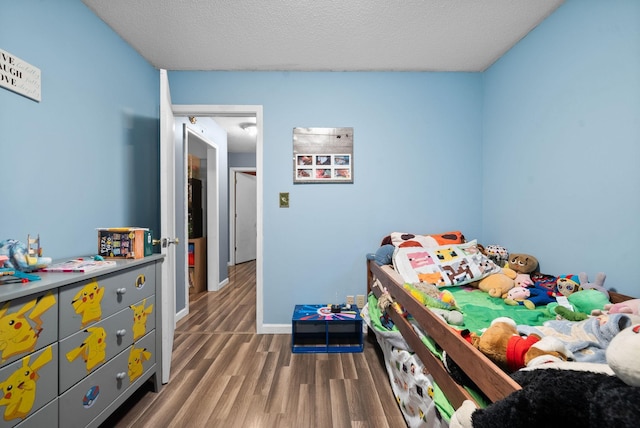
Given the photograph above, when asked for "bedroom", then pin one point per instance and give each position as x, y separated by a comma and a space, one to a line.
544, 146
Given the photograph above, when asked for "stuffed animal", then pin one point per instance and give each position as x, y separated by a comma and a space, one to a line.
582, 302
497, 253
497, 284
564, 398
598, 284
441, 302
567, 284
524, 265
503, 345
545, 280
383, 255
18, 258
568, 314
622, 355
530, 297
627, 307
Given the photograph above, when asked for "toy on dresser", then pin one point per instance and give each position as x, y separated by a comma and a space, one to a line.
23, 257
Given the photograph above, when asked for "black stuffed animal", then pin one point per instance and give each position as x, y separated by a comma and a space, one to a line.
568, 398
574, 399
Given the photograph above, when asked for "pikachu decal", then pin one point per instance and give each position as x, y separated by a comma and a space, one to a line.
136, 357
87, 302
19, 389
93, 349
17, 335
140, 315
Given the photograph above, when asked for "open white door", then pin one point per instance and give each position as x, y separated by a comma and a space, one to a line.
246, 217
167, 223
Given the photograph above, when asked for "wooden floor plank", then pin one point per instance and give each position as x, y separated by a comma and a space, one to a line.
225, 375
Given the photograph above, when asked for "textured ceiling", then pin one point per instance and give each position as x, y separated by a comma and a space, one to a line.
322, 35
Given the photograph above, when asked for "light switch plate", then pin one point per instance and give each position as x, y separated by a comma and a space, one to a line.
284, 199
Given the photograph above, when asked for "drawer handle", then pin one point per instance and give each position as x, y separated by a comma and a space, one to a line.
121, 332
121, 375
121, 290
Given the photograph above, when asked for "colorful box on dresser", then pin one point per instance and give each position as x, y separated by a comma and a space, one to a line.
125, 242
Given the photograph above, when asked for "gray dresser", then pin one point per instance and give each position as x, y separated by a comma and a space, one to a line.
75, 346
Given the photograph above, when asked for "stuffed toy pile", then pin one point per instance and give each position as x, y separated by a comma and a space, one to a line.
569, 398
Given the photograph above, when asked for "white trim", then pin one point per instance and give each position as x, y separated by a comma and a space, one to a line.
232, 210
243, 110
183, 313
276, 329
213, 218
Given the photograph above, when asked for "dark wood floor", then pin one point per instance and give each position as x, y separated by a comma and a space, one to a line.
225, 375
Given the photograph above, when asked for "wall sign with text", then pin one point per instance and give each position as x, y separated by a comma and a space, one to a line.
19, 76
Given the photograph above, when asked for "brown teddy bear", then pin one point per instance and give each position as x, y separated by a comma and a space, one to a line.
502, 343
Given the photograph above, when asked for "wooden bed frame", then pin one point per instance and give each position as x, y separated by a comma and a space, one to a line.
488, 377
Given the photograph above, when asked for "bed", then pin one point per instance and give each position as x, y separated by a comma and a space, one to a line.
422, 332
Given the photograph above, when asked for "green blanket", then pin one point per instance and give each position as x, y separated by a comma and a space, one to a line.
479, 309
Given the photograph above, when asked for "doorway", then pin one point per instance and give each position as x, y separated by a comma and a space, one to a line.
242, 214
253, 111
206, 153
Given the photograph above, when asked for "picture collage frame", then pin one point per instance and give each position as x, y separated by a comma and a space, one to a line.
323, 155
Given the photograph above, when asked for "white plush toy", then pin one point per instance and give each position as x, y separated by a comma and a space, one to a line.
622, 355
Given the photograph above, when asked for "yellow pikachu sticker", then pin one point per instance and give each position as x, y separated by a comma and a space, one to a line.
136, 357
93, 349
87, 302
17, 335
140, 315
19, 389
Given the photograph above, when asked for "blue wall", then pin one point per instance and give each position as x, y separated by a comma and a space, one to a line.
561, 143
416, 150
538, 153
87, 155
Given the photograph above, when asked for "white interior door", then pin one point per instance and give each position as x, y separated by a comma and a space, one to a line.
246, 217
167, 223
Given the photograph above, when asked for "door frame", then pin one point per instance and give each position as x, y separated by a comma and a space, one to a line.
212, 209
242, 110
232, 208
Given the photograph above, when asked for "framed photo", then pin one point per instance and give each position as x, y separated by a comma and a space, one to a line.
322, 155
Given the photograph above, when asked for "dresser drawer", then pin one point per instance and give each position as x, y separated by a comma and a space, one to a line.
45, 417
88, 398
87, 350
27, 324
90, 301
27, 385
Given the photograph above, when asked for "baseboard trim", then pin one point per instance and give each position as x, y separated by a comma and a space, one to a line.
275, 329
181, 314
223, 283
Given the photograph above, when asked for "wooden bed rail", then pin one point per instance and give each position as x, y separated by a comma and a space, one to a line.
493, 381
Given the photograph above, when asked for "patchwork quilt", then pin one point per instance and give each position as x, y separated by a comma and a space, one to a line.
446, 265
